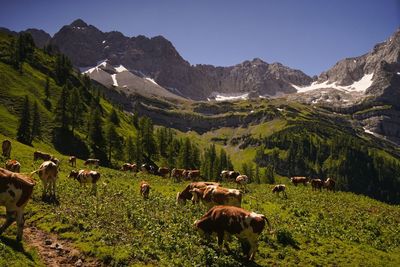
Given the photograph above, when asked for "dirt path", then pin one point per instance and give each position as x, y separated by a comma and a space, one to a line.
56, 252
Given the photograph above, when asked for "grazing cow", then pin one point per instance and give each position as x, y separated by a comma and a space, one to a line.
181, 197
329, 184
233, 175
72, 161
144, 189
229, 220
15, 192
177, 174
299, 180
317, 184
191, 174
279, 188
48, 172
41, 155
242, 181
224, 175
85, 177
213, 195
13, 165
6, 147
129, 167
91, 162
163, 171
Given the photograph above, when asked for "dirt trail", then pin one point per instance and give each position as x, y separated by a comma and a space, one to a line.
55, 252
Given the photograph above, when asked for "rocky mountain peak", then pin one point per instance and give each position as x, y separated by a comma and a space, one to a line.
79, 23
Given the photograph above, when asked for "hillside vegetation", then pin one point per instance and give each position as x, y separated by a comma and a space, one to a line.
120, 228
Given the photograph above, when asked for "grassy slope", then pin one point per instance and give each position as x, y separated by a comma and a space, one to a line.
117, 226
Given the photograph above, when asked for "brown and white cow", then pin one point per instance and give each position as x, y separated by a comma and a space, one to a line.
224, 175
191, 174
233, 175
129, 167
72, 161
144, 189
317, 184
86, 177
213, 195
242, 181
279, 188
163, 171
177, 174
15, 192
55, 161
329, 184
229, 220
6, 148
48, 173
299, 180
41, 155
13, 165
91, 162
181, 197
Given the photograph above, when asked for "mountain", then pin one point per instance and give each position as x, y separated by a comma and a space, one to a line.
158, 59
40, 37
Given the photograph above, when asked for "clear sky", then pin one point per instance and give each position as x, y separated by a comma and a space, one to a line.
310, 35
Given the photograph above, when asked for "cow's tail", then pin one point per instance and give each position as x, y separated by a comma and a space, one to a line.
35, 171
271, 231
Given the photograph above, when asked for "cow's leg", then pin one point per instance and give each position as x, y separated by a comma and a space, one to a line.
220, 240
253, 248
10, 218
45, 185
20, 224
54, 189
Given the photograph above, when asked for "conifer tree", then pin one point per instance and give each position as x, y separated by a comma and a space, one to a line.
47, 88
36, 123
130, 150
62, 117
75, 108
24, 128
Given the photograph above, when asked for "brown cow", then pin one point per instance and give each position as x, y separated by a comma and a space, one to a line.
6, 148
177, 174
144, 189
317, 184
90, 162
181, 197
213, 195
129, 167
85, 177
242, 181
163, 171
299, 180
15, 192
191, 174
229, 220
279, 188
72, 161
48, 173
41, 155
13, 165
329, 184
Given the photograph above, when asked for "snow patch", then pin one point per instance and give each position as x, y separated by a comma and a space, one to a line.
151, 80
368, 131
224, 97
104, 41
358, 86
398, 73
120, 68
114, 78
101, 63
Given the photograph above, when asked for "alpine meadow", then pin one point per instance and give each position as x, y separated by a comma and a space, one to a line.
119, 152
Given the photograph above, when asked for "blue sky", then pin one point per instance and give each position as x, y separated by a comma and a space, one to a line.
307, 35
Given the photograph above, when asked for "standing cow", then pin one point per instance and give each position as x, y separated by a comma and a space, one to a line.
299, 180
41, 155
280, 188
163, 171
6, 147
48, 173
91, 162
329, 184
186, 194
242, 181
86, 177
212, 195
316, 184
229, 220
13, 165
72, 161
15, 192
144, 189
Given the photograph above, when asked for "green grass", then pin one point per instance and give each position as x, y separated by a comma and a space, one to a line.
120, 228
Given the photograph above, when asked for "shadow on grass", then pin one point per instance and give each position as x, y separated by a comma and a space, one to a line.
16, 246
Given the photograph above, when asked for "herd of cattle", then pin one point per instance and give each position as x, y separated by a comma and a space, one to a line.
225, 217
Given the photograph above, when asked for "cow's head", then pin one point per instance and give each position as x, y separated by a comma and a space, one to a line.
73, 174
179, 199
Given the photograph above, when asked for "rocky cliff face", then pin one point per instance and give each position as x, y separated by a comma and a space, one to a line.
157, 58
